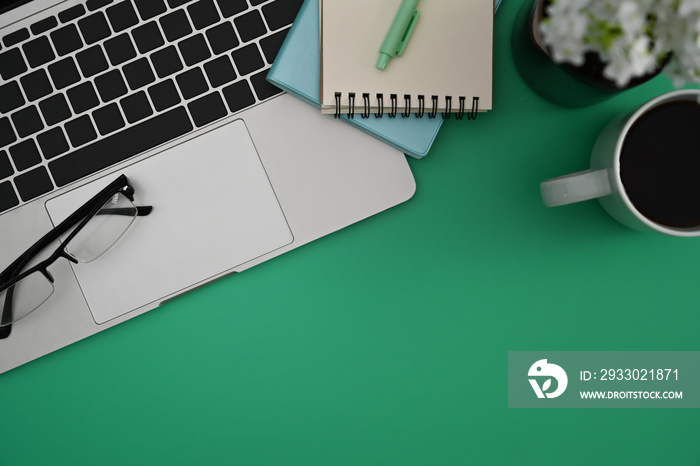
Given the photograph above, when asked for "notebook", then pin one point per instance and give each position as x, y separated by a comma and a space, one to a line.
297, 70
447, 65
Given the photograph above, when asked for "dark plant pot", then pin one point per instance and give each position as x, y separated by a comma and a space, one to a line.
563, 84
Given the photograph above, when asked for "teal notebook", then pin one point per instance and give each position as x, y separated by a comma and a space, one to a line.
297, 70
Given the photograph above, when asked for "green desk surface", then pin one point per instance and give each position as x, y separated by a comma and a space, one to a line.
387, 343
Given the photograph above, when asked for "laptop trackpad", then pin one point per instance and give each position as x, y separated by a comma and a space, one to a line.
213, 209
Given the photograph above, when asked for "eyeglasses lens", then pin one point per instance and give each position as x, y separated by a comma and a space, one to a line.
22, 298
103, 230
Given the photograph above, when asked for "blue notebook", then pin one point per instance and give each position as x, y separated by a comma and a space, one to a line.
297, 70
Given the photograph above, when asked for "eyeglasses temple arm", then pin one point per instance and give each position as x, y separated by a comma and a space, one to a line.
141, 211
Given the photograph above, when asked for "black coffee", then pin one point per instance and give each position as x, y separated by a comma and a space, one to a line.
660, 164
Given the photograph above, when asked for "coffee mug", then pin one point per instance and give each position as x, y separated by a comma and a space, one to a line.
645, 168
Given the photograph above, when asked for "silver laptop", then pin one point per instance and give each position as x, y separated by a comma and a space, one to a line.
172, 94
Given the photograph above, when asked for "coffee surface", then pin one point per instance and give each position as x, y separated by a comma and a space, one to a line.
660, 164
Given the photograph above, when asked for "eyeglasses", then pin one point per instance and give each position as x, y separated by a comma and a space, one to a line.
84, 236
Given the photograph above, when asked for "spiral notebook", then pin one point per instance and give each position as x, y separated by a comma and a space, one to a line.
297, 70
447, 66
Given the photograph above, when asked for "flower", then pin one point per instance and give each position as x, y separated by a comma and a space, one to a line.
632, 37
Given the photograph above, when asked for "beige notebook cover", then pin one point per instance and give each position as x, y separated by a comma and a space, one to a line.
450, 54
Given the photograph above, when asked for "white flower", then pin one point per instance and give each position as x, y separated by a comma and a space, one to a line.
633, 37
627, 61
568, 32
688, 6
631, 18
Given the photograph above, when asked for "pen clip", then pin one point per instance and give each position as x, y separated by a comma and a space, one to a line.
407, 34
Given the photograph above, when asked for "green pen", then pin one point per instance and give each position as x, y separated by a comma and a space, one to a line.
400, 31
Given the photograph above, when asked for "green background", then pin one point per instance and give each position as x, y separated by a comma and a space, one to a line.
387, 343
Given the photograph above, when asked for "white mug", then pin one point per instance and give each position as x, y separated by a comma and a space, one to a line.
603, 180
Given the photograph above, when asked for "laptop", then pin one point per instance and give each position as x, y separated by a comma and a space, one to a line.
172, 94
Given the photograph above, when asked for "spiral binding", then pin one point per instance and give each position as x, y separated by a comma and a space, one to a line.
393, 110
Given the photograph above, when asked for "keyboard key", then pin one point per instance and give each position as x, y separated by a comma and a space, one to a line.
38, 51
110, 85
231, 7
92, 61
250, 26
10, 97
120, 146
8, 198
192, 83
147, 37
177, 3
25, 155
27, 121
120, 49
281, 13
16, 37
94, 28
166, 61
238, 96
175, 25
257, 2
203, 13
55, 109
80, 131
64, 73
6, 169
72, 13
194, 50
263, 88
164, 95
108, 119
52, 143
66, 40
222, 38
150, 8
36, 85
83, 97
220, 71
247, 59
271, 45
44, 25
138, 74
11, 64
7, 135
93, 5
207, 109
122, 16
33, 184
136, 107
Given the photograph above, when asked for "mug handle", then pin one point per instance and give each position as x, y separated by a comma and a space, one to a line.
576, 187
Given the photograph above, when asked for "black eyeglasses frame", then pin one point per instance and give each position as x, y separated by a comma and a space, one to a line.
78, 219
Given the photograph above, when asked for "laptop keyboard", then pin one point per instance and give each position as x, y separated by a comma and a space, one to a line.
103, 81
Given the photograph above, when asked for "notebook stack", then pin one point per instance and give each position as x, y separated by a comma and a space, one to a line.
328, 60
